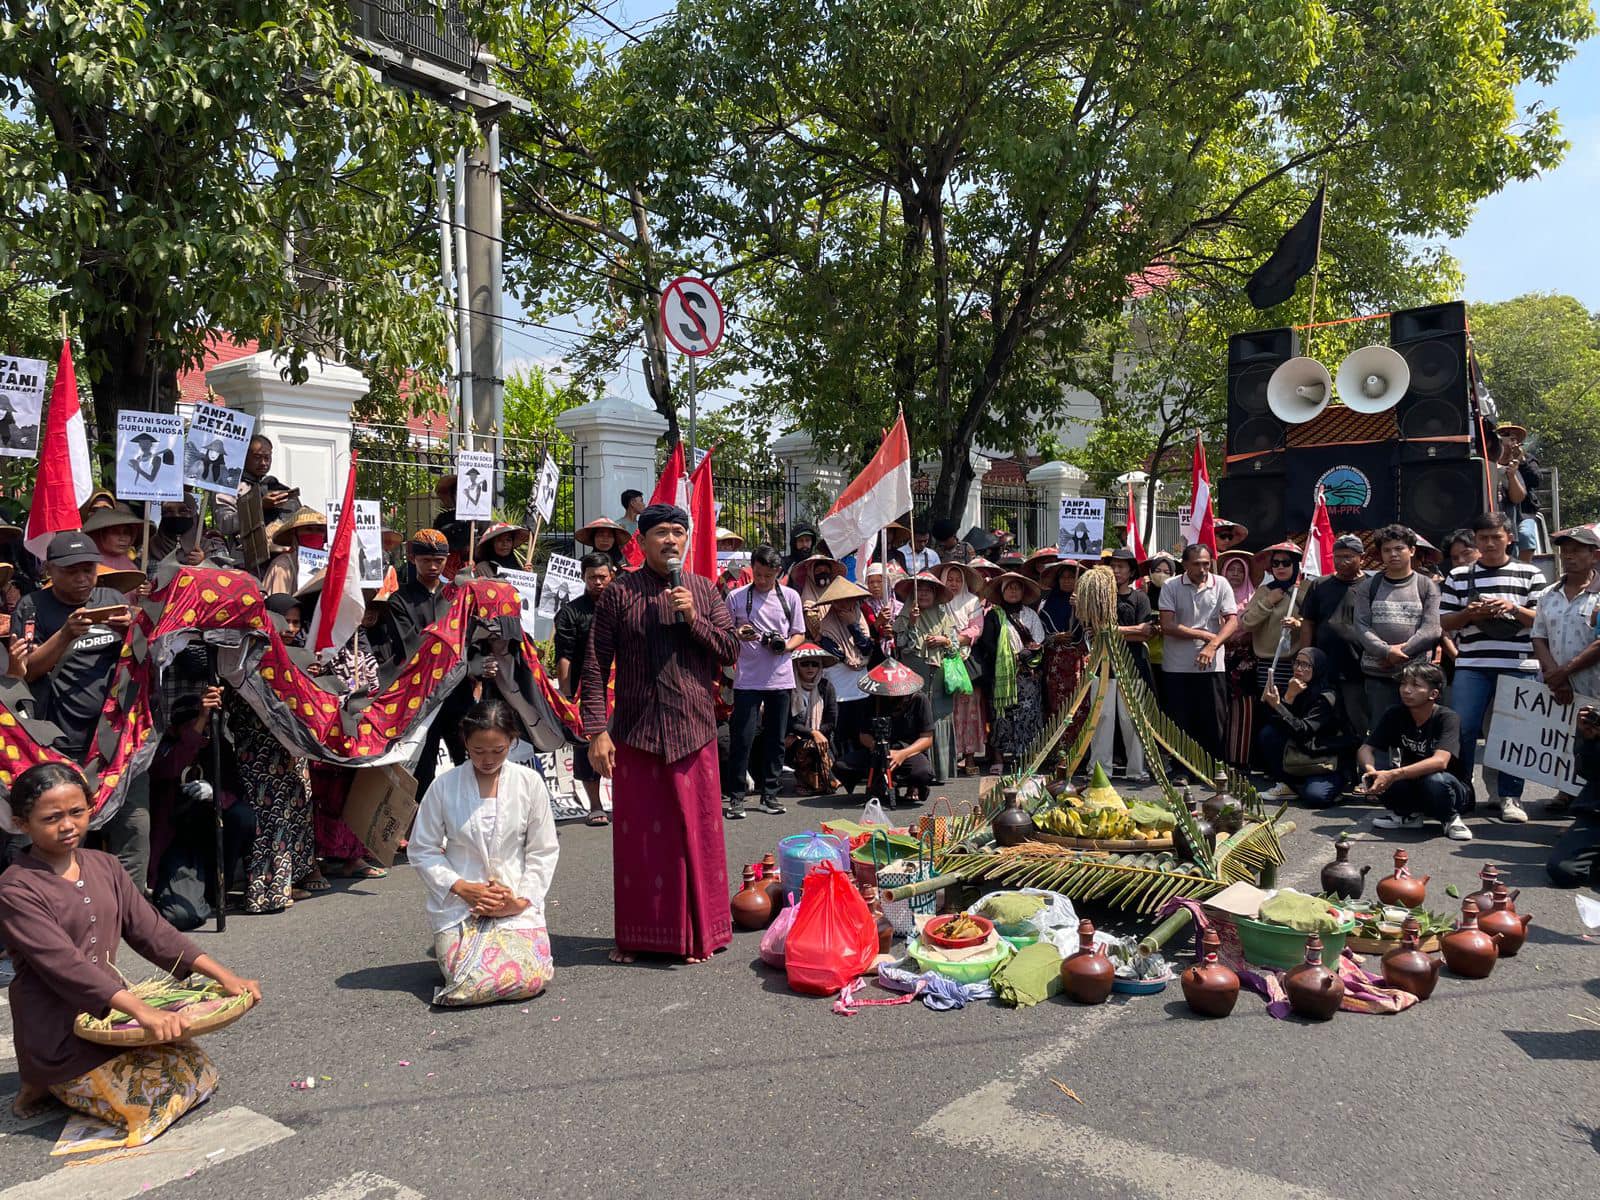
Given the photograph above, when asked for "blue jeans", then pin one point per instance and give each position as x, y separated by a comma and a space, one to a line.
1473, 693
1318, 791
1527, 534
1438, 797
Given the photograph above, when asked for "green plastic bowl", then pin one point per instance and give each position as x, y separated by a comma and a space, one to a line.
1280, 947
975, 971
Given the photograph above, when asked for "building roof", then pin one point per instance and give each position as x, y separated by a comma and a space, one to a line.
220, 348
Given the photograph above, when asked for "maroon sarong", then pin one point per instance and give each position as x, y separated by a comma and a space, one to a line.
669, 872
330, 788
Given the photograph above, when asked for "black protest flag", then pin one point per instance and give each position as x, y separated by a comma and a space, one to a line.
1274, 280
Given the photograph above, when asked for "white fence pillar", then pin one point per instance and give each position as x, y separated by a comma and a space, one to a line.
615, 440
815, 479
972, 511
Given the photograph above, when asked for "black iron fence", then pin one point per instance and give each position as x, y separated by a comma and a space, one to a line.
759, 508
1020, 511
399, 468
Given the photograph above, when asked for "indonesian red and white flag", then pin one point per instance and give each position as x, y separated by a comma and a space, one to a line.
876, 497
340, 608
64, 482
671, 488
1318, 558
1201, 529
1135, 537
702, 558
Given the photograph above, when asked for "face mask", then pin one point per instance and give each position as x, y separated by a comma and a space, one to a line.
313, 541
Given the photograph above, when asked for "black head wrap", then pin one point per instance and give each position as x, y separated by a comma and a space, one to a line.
658, 514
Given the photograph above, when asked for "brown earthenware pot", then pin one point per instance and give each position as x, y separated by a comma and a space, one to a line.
1406, 967
1208, 835
1468, 950
1504, 924
1210, 988
1342, 877
1087, 975
1012, 825
772, 882
752, 907
1403, 888
1314, 990
1484, 899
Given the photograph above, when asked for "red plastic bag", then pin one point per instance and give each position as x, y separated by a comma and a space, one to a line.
833, 938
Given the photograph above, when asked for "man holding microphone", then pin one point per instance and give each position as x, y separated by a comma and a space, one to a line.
770, 623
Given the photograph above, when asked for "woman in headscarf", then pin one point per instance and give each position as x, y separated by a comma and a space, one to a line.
813, 716
843, 632
1239, 723
925, 635
1066, 648
966, 614
604, 536
1302, 742
1009, 653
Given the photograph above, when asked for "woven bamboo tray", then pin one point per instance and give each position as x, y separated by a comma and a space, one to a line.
1114, 845
205, 1016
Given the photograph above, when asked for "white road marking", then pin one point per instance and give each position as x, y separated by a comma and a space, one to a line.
367, 1183
191, 1145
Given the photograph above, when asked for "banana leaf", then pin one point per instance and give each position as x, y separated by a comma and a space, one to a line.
1121, 884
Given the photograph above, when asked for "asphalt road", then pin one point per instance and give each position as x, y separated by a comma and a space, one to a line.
715, 1080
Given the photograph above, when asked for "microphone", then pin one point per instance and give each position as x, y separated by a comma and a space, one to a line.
675, 580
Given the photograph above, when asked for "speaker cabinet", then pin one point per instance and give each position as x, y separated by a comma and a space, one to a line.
1252, 358
1252, 494
1433, 341
1438, 496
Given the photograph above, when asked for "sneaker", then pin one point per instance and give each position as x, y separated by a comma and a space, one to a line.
733, 810
1513, 812
769, 804
1280, 791
1456, 830
1391, 820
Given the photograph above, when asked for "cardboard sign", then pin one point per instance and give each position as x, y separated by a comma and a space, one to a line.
148, 446
21, 403
1531, 733
527, 585
474, 485
544, 495
1083, 528
368, 538
213, 456
380, 808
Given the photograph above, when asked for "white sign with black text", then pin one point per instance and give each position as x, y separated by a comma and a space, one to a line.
1531, 733
544, 496
148, 445
213, 455
368, 538
527, 585
474, 485
21, 403
1083, 527
563, 581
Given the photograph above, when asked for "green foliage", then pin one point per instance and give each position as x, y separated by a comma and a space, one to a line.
189, 166
1540, 355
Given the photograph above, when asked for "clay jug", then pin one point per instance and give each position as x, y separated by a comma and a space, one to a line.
1504, 924
869, 893
1087, 975
1342, 877
752, 907
771, 881
1406, 967
1403, 888
1484, 899
1314, 990
1468, 950
1210, 988
1222, 809
1012, 824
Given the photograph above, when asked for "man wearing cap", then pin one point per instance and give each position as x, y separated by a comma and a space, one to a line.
769, 622
414, 605
1327, 623
1566, 640
1198, 615
571, 638
73, 633
668, 636
918, 556
1520, 480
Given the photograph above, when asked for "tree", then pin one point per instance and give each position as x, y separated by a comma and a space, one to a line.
932, 208
184, 167
1540, 355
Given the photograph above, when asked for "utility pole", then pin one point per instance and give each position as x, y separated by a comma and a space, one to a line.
484, 271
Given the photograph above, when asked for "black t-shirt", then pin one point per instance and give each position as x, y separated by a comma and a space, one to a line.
74, 691
1134, 609
1396, 730
1322, 603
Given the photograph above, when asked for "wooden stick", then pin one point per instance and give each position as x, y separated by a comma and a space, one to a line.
144, 553
533, 540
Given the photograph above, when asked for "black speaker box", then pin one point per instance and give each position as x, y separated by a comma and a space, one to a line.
1252, 358
1252, 494
1433, 341
1439, 496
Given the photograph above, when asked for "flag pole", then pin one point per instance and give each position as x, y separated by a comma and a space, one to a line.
1316, 263
144, 552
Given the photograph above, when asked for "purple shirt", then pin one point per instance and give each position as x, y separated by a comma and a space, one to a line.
760, 669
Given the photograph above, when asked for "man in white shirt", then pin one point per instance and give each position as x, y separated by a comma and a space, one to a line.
1198, 614
919, 556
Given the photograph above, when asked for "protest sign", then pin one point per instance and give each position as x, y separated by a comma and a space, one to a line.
474, 485
563, 581
544, 495
21, 402
368, 538
527, 585
148, 445
213, 455
311, 561
1531, 733
1083, 528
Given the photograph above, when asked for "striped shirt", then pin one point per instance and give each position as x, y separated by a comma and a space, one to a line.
1499, 643
666, 671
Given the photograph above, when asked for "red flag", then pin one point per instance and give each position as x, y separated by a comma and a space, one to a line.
1135, 537
1202, 528
1318, 558
64, 481
669, 490
702, 556
876, 496
342, 604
